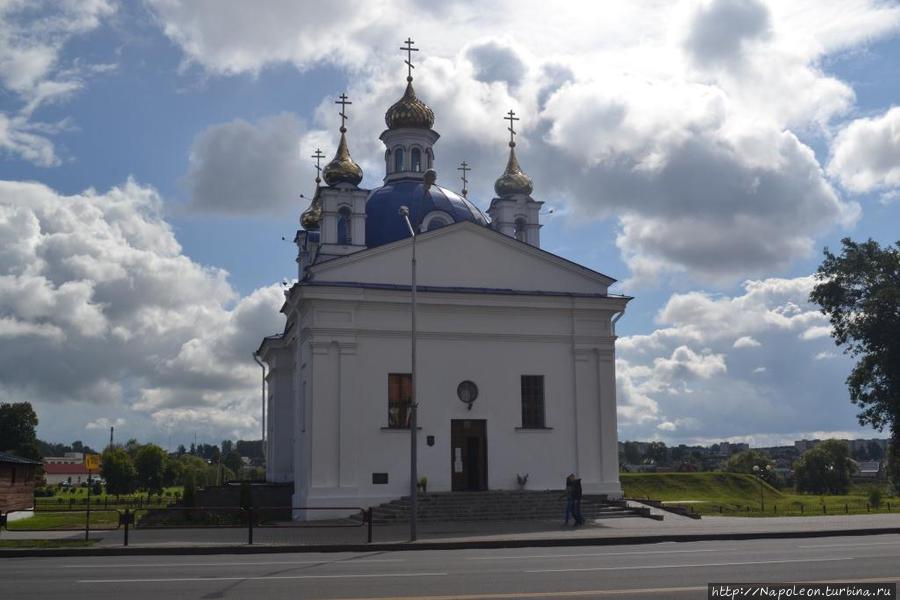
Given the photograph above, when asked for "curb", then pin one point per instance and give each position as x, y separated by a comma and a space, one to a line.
461, 545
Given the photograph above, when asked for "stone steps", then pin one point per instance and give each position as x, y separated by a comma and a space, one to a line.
499, 505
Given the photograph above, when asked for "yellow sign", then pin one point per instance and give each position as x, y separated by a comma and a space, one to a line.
92, 462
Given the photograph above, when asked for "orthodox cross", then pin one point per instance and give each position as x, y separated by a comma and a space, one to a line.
319, 155
464, 167
512, 132
409, 50
343, 102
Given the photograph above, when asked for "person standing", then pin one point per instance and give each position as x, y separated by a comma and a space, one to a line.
570, 499
576, 500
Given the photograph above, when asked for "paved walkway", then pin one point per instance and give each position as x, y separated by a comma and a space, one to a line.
481, 531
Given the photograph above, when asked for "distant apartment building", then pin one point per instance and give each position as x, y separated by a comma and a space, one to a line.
855, 446
70, 458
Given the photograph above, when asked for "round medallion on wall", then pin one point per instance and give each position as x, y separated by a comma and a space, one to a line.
467, 392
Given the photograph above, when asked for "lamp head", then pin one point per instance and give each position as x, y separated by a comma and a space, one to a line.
430, 178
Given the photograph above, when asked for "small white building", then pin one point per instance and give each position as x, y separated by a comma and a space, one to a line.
515, 345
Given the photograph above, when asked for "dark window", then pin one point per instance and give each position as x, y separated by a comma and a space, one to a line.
416, 160
399, 396
398, 159
343, 229
533, 401
520, 229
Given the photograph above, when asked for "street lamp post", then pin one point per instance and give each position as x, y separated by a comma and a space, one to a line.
759, 471
430, 176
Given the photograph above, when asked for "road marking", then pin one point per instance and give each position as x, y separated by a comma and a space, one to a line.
589, 554
589, 593
728, 564
260, 578
235, 564
863, 545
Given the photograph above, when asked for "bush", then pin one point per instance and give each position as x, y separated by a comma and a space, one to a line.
43, 492
875, 497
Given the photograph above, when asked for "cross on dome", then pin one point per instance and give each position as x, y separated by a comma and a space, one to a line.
464, 167
343, 101
409, 50
511, 117
319, 155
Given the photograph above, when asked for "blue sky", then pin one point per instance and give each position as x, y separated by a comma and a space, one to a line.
704, 163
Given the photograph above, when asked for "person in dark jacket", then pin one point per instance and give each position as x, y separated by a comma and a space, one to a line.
576, 501
573, 500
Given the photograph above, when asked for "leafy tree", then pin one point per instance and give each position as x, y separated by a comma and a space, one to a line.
233, 461
118, 470
743, 462
150, 462
633, 453
824, 469
875, 451
17, 430
181, 450
227, 446
657, 453
859, 291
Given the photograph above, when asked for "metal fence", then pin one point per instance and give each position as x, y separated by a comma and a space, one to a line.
200, 517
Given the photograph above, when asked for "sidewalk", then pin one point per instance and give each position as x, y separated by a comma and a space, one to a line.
481, 534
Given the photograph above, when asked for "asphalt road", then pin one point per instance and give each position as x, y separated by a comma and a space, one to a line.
667, 570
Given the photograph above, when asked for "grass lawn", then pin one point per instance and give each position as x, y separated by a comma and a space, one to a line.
67, 520
736, 494
46, 543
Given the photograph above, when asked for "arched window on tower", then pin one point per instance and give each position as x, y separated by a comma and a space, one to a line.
416, 156
398, 160
520, 229
344, 233
429, 157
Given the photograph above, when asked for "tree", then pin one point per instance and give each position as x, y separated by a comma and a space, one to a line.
859, 291
118, 470
743, 462
227, 446
633, 453
233, 461
657, 453
824, 469
150, 462
17, 430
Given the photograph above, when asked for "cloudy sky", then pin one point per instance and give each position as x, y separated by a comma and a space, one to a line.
152, 155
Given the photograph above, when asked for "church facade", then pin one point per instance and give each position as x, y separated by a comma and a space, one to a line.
515, 371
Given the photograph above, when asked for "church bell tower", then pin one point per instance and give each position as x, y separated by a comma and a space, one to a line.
514, 212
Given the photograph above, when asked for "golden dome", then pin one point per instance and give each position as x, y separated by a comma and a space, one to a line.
409, 111
514, 180
342, 169
311, 218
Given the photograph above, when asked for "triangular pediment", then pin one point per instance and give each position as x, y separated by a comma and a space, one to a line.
464, 255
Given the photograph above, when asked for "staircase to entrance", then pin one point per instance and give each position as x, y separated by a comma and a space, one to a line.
501, 505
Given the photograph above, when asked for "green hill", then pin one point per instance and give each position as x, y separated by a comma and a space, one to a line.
735, 493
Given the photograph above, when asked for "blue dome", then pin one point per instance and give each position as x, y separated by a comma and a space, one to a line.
384, 223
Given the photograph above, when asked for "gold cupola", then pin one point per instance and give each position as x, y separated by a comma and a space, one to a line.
514, 181
409, 111
342, 169
311, 218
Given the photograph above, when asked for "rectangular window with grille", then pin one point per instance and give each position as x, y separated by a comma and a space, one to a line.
533, 401
399, 397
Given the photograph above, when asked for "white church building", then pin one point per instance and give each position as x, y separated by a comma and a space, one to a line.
515, 345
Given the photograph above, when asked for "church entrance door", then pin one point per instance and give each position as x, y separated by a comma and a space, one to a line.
468, 454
